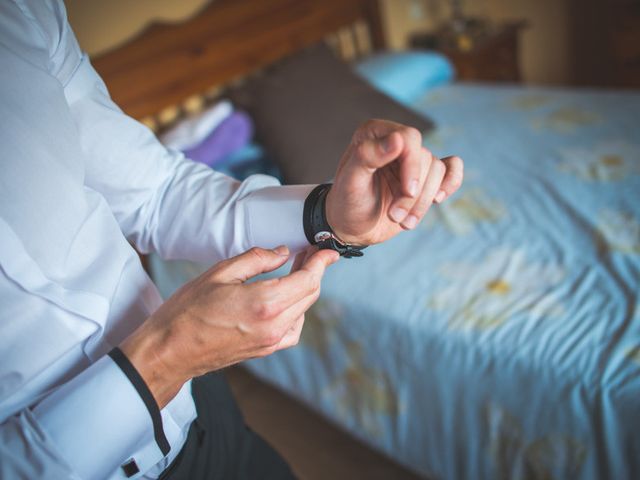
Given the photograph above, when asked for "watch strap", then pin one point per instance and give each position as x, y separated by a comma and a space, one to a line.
317, 229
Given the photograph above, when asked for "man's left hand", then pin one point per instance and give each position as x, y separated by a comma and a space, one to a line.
385, 183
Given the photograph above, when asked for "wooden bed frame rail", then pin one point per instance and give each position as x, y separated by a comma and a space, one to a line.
228, 39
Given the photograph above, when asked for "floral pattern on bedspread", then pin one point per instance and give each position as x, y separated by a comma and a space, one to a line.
441, 136
365, 391
548, 457
567, 119
506, 283
356, 386
321, 326
466, 211
607, 161
634, 354
620, 230
500, 338
631, 353
529, 101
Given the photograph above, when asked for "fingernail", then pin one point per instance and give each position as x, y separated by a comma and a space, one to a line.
386, 144
410, 222
282, 250
440, 196
398, 214
413, 188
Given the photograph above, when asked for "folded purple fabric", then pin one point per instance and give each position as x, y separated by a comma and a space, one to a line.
232, 134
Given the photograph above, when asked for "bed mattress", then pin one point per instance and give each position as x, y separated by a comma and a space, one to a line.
501, 338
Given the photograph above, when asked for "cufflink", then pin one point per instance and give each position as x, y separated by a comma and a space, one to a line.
130, 468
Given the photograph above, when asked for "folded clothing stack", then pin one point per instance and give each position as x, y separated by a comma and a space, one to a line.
220, 137
190, 132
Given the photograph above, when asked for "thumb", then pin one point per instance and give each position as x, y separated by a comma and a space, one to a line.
310, 272
374, 153
253, 262
318, 261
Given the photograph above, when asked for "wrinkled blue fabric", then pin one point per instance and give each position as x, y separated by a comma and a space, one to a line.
501, 337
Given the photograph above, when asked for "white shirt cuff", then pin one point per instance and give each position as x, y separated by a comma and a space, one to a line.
275, 216
96, 419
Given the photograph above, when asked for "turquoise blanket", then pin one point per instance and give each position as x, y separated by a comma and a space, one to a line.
501, 338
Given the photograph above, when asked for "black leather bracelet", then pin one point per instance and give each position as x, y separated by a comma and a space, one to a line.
317, 229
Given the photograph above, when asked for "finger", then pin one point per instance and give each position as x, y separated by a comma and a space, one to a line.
291, 321
281, 293
412, 167
375, 153
375, 128
298, 261
292, 337
284, 330
378, 143
318, 260
399, 142
287, 326
307, 254
452, 179
302, 257
421, 160
249, 264
431, 187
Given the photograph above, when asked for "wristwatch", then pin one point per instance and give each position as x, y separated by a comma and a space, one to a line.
317, 229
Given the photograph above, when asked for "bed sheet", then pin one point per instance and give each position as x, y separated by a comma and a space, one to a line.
501, 338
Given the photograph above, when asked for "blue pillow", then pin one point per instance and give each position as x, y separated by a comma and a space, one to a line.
405, 76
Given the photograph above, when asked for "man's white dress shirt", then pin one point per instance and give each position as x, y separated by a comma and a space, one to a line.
79, 181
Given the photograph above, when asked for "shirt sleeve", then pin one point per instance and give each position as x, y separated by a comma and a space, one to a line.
162, 201
166, 203
97, 419
79, 419
87, 428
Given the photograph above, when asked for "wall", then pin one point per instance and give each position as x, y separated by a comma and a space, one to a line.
400, 18
545, 44
104, 24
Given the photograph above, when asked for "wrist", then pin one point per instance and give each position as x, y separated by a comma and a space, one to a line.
335, 224
150, 355
317, 228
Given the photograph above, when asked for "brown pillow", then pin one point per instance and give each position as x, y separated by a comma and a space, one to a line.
306, 109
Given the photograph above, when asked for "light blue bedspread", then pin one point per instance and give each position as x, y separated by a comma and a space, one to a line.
501, 338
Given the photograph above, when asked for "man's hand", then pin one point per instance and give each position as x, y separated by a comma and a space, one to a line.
385, 183
217, 320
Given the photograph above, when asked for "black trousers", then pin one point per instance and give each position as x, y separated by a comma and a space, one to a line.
219, 445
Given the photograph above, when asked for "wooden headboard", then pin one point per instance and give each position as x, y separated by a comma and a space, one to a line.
228, 39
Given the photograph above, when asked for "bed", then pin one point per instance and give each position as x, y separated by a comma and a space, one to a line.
501, 338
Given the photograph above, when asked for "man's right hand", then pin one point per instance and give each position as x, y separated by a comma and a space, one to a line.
217, 319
